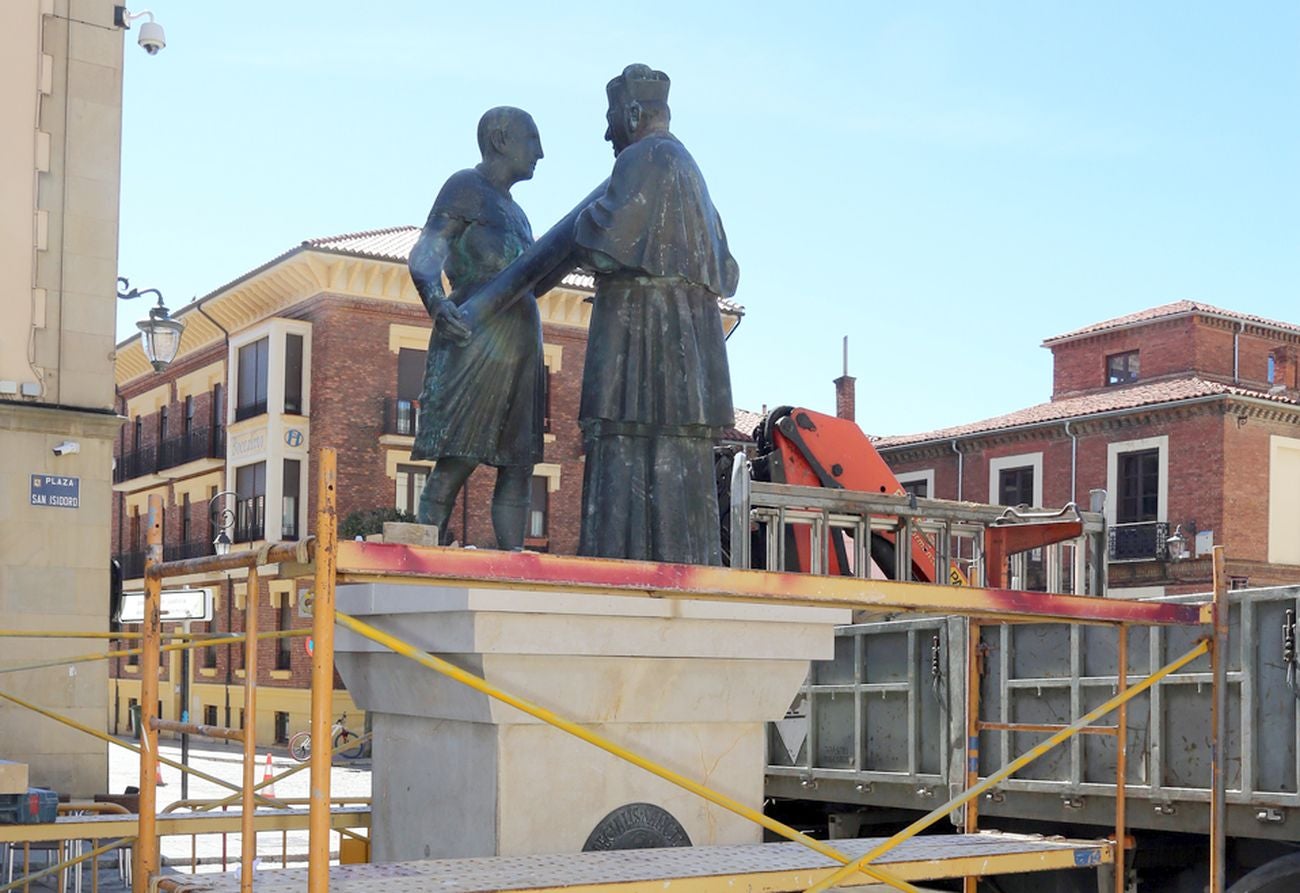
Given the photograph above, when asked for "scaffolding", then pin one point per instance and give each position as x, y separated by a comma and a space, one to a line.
330, 562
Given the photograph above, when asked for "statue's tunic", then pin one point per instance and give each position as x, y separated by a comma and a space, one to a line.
656, 393
484, 401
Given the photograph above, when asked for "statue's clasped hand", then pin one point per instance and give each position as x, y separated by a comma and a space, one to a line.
450, 324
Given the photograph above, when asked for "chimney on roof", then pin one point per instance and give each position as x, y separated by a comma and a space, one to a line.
845, 396
1284, 367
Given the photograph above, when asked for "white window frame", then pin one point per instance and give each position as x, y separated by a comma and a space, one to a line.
924, 474
1021, 460
1113, 451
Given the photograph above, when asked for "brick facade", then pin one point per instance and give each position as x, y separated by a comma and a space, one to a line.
1206, 389
357, 317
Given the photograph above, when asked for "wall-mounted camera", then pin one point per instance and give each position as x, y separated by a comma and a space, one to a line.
151, 37
67, 448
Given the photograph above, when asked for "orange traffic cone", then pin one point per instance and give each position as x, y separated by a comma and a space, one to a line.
269, 790
158, 779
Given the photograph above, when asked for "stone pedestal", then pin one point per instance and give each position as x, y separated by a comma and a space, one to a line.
687, 684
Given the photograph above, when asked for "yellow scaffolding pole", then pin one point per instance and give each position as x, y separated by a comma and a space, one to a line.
92, 656
454, 672
146, 854
1011, 768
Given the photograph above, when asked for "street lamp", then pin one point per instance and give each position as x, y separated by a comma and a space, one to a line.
162, 334
223, 518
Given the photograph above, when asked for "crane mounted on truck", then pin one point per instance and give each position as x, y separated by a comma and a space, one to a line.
875, 737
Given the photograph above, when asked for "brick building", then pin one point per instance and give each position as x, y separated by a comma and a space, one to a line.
1188, 416
323, 346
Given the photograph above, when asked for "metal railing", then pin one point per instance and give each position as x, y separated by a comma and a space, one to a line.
181, 551
250, 519
1143, 541
401, 417
201, 443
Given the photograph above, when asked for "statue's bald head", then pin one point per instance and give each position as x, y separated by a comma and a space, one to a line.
496, 123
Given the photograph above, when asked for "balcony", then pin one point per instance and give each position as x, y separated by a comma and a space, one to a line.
1144, 541
136, 463
132, 564
401, 417
183, 551
202, 443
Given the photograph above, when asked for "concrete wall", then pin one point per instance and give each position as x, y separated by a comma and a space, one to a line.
61, 101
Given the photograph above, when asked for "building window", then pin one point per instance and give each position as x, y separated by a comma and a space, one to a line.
209, 714
537, 508
251, 399
138, 438
162, 425
209, 657
1136, 501
293, 374
1016, 486
185, 518
289, 499
1138, 496
281, 727
250, 517
283, 646
410, 382
917, 483
189, 417
1122, 368
218, 406
410, 484
1235, 583
546, 398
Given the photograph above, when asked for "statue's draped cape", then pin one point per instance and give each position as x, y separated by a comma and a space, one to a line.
656, 392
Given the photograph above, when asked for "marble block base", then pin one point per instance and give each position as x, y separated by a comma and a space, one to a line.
686, 684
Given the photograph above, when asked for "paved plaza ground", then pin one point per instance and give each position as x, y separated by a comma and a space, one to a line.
350, 778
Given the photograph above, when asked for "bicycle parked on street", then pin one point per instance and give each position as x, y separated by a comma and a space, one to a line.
353, 746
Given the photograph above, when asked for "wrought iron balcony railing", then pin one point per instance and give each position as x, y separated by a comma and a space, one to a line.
1143, 541
202, 443
401, 417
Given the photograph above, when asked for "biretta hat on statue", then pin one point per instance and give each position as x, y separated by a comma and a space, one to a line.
639, 82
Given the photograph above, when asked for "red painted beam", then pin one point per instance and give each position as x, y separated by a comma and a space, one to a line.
491, 569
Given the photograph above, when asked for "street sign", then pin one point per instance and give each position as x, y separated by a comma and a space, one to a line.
177, 604
56, 491
310, 645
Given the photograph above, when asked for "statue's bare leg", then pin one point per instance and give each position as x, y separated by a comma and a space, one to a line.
440, 490
510, 505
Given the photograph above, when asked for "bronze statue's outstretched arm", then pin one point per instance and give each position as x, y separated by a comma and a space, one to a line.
536, 271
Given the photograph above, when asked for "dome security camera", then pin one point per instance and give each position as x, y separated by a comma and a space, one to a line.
151, 38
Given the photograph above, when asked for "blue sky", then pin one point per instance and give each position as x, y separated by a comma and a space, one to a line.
947, 184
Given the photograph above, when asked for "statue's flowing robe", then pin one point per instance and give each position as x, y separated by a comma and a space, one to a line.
486, 400
656, 393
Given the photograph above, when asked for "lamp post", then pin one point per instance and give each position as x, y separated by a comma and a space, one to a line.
222, 514
161, 333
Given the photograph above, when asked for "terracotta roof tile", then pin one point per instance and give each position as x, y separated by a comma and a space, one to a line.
1165, 311
395, 244
1118, 399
